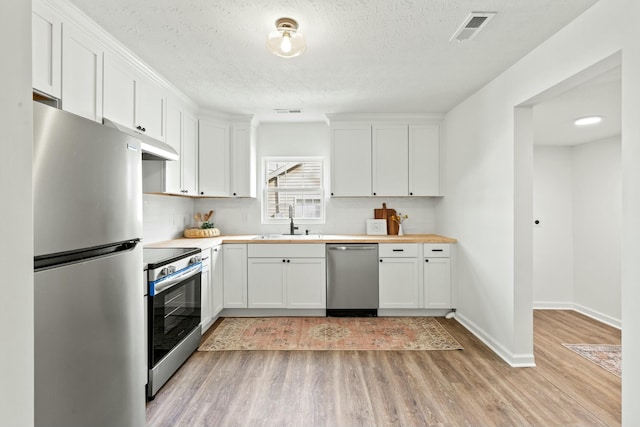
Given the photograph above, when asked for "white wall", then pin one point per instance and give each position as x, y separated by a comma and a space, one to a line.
597, 217
343, 215
16, 216
578, 199
481, 205
165, 217
553, 239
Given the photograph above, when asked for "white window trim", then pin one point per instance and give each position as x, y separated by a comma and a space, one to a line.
263, 182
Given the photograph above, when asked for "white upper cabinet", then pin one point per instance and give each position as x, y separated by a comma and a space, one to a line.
46, 50
149, 109
424, 160
81, 73
189, 155
133, 100
351, 161
119, 91
390, 160
213, 158
243, 161
385, 158
173, 169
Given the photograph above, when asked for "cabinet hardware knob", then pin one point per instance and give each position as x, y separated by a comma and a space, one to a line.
288, 260
374, 194
426, 260
380, 260
411, 194
283, 260
332, 194
202, 193
234, 194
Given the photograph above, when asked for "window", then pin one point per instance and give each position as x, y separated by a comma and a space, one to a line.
294, 184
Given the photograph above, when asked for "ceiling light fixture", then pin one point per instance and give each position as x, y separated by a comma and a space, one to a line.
286, 41
589, 120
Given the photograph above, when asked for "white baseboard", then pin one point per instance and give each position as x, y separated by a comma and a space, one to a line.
514, 360
596, 315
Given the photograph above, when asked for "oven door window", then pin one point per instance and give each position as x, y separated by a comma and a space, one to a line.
175, 313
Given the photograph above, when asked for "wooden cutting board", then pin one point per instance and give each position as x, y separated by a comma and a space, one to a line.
385, 213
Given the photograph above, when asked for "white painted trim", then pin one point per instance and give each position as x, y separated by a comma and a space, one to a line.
410, 118
553, 305
514, 360
595, 315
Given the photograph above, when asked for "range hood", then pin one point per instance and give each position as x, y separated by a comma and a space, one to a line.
152, 149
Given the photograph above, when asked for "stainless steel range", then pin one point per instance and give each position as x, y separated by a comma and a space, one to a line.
173, 310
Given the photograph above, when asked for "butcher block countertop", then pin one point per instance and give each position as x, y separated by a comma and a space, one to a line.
209, 242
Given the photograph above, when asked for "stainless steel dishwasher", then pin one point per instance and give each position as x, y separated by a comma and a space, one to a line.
352, 279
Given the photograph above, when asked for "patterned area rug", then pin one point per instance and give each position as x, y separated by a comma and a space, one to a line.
608, 357
330, 333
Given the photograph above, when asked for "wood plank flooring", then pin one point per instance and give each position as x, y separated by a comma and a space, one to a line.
472, 387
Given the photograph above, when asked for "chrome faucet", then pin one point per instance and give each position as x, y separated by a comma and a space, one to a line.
292, 227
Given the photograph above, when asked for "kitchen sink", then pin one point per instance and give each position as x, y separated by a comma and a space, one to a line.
288, 237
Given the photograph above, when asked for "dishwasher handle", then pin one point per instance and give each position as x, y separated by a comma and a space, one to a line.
352, 248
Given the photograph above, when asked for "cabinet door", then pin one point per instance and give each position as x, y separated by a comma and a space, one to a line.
149, 109
213, 158
424, 160
234, 272
217, 280
206, 299
306, 283
243, 170
119, 91
189, 155
173, 170
46, 50
266, 282
81, 73
437, 283
399, 284
390, 160
351, 161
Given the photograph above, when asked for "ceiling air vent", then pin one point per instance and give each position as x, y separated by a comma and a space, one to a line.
288, 110
472, 25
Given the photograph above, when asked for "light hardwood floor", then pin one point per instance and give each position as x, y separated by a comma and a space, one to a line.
472, 387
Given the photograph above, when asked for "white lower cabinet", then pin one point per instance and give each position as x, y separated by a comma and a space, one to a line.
399, 283
217, 280
266, 282
234, 263
437, 276
306, 283
206, 300
286, 276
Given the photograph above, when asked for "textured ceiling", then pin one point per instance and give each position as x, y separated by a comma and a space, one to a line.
391, 56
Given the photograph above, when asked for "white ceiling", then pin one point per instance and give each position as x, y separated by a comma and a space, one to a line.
553, 120
363, 56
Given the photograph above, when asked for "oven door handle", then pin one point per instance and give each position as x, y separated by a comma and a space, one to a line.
174, 280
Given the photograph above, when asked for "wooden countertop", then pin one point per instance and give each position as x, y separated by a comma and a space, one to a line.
208, 242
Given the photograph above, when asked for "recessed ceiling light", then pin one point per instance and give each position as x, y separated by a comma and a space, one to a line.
589, 120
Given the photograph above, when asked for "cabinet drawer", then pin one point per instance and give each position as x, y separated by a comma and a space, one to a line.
437, 250
286, 250
398, 250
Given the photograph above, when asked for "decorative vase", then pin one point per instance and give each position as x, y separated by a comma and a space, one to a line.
400, 232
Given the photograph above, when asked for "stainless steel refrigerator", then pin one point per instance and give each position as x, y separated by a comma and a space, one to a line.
90, 362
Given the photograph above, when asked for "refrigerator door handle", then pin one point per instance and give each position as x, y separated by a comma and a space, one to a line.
55, 260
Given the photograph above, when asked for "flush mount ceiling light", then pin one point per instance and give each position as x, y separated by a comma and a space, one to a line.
286, 41
589, 120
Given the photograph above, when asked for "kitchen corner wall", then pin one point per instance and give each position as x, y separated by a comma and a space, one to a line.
166, 217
